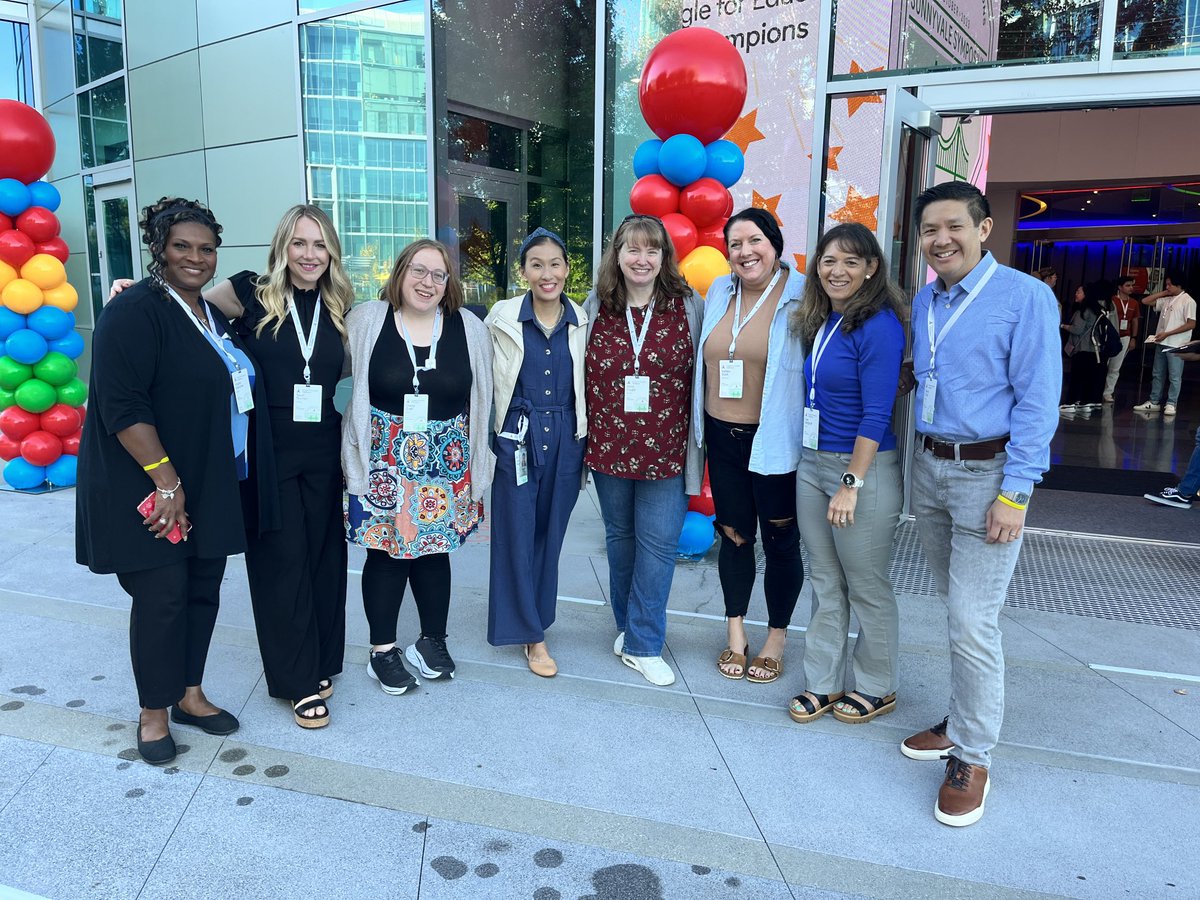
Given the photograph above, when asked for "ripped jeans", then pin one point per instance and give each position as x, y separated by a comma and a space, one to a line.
746, 502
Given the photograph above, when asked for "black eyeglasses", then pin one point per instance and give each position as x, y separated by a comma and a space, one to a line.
420, 273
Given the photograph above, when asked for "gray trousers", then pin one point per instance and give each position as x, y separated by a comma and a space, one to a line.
848, 570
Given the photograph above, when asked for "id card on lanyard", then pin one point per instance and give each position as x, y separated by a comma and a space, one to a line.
306, 398
243, 394
730, 384
416, 404
637, 385
521, 454
929, 393
812, 415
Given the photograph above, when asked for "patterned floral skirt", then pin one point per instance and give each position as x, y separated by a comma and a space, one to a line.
418, 498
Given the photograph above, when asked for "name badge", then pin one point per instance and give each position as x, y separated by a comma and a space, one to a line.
416, 412
1124, 324
928, 399
522, 464
812, 427
242, 391
637, 393
730, 386
306, 403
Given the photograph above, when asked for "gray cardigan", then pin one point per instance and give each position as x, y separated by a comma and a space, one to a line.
363, 325
693, 467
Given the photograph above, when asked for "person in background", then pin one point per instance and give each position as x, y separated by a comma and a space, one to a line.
643, 332
1176, 318
749, 378
415, 453
1127, 315
1086, 381
1184, 494
539, 342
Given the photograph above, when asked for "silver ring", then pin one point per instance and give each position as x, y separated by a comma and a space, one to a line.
162, 521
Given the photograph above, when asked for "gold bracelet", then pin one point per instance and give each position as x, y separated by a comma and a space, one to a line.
1008, 502
153, 466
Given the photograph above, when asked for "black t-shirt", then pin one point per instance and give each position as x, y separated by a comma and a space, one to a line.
391, 372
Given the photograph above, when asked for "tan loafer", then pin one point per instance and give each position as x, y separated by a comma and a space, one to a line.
545, 666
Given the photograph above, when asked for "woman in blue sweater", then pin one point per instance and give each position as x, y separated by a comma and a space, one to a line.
848, 491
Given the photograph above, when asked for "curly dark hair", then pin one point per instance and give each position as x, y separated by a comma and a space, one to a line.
157, 220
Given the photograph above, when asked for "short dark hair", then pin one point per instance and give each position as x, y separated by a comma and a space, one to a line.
1175, 276
963, 191
766, 224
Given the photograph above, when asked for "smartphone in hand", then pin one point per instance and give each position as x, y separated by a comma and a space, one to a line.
146, 507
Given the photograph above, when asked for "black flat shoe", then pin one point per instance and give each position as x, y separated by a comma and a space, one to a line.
219, 723
157, 753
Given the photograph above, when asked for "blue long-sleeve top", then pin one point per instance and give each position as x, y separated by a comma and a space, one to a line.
855, 386
999, 370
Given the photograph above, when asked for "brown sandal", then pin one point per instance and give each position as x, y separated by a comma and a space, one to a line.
770, 663
808, 707
864, 707
729, 658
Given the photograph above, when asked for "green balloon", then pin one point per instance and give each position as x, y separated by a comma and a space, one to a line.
55, 368
13, 373
73, 393
7, 398
35, 396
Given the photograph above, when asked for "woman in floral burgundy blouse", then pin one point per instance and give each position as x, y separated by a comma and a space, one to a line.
643, 328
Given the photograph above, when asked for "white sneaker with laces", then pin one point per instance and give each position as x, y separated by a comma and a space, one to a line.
1148, 406
1169, 409
653, 668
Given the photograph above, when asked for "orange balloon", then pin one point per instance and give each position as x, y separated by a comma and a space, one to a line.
64, 297
44, 270
7, 274
702, 267
21, 296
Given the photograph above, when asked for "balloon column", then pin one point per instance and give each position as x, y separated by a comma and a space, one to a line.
41, 396
692, 91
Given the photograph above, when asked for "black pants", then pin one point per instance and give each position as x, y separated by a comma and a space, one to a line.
383, 583
297, 581
170, 626
1086, 381
744, 501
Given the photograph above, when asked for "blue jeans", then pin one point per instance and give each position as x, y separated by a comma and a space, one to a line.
1171, 366
951, 500
1191, 478
642, 520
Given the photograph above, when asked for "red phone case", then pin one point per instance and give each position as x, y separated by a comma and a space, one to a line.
175, 535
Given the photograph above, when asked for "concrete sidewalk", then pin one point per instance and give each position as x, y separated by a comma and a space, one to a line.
594, 784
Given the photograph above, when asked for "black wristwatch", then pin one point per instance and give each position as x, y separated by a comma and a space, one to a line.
850, 480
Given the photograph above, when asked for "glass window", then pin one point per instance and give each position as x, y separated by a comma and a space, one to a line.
103, 124
16, 63
98, 49
1157, 28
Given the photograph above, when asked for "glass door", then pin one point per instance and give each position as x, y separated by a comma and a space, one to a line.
118, 257
485, 217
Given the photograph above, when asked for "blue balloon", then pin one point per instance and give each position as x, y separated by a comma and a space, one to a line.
3, 350
14, 197
26, 346
696, 536
645, 158
62, 472
725, 162
51, 322
42, 193
681, 160
10, 321
23, 475
70, 346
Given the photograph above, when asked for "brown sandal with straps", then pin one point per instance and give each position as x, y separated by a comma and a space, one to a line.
773, 666
730, 658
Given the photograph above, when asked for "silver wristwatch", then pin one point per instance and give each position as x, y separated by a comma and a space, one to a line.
850, 480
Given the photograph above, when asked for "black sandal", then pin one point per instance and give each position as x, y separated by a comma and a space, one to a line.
808, 711
865, 707
310, 705
325, 688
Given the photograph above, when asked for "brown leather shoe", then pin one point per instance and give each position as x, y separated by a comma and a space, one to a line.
931, 743
960, 801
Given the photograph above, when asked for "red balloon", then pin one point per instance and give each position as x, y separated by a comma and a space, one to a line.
41, 448
728, 206
71, 444
82, 410
9, 449
703, 201
5, 222
15, 248
39, 223
56, 247
694, 82
714, 236
682, 232
17, 423
26, 142
653, 195
61, 420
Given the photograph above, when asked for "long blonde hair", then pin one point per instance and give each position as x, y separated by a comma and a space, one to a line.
274, 287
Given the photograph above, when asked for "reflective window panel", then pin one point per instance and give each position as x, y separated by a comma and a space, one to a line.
16, 62
103, 124
1157, 28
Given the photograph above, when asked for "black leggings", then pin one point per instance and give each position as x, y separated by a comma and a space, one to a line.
744, 501
383, 583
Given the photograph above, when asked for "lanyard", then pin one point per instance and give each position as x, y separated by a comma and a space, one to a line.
216, 343
638, 340
736, 326
309, 341
953, 320
819, 351
431, 362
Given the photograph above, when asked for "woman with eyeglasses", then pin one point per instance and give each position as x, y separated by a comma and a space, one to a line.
415, 453
539, 341
643, 331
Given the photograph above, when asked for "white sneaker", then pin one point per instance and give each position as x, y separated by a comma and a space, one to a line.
1068, 408
619, 644
1169, 409
653, 668
1148, 406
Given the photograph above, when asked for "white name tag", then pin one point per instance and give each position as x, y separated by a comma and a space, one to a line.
812, 427
1124, 324
306, 403
416, 412
928, 399
637, 393
521, 459
242, 392
730, 387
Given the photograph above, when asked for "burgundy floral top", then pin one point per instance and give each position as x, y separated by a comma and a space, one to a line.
647, 446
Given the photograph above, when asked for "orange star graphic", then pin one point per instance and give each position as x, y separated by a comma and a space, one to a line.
801, 261
853, 103
768, 203
831, 158
858, 209
744, 132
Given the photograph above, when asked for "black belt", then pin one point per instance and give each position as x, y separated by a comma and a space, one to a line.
976, 451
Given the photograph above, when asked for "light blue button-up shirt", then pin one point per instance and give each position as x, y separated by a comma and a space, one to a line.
999, 369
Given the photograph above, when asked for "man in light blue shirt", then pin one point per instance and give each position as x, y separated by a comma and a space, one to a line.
987, 360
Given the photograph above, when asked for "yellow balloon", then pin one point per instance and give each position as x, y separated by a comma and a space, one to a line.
702, 267
64, 297
21, 296
44, 270
7, 274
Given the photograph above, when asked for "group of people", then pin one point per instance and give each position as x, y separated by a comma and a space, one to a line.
783, 382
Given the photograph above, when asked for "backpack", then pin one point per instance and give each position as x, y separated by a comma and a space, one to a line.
1106, 337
